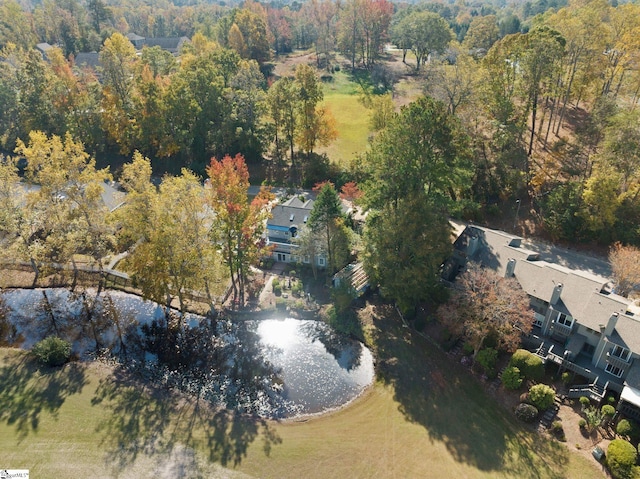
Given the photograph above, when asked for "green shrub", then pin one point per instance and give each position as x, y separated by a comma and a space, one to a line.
608, 411
621, 457
277, 289
526, 412
292, 273
281, 303
628, 428
558, 430
275, 282
585, 402
541, 396
566, 378
593, 416
52, 351
344, 322
529, 364
296, 288
298, 304
487, 358
582, 423
467, 349
511, 378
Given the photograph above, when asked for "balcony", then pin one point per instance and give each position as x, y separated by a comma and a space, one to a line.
561, 329
617, 362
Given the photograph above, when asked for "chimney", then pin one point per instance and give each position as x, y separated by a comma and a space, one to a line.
555, 296
611, 325
473, 246
511, 266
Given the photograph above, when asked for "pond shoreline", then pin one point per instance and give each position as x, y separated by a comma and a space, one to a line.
319, 371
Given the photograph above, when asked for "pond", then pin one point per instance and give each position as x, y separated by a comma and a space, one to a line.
319, 369
270, 367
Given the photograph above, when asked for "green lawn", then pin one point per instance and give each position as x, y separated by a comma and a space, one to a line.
423, 418
352, 119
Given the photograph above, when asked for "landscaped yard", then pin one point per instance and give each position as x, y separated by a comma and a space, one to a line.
423, 418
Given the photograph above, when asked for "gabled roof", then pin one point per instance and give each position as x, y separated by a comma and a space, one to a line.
627, 333
44, 47
292, 212
134, 37
171, 44
585, 296
91, 60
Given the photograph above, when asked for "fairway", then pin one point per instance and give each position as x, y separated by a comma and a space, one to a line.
352, 119
82, 420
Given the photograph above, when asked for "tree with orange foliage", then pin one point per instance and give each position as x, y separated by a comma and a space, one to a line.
238, 225
350, 191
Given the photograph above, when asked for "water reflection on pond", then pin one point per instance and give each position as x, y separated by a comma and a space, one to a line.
272, 368
319, 369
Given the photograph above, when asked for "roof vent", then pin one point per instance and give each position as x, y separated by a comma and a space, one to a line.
291, 218
306, 218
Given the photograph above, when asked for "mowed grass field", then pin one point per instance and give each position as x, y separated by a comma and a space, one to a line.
341, 96
424, 417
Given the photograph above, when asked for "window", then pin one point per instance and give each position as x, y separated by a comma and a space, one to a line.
321, 261
616, 371
538, 319
564, 320
620, 352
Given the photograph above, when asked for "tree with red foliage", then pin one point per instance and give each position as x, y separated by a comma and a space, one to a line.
238, 225
350, 191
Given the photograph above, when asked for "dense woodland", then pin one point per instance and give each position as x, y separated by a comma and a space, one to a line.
532, 101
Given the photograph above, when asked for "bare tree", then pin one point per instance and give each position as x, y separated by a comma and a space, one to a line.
625, 263
488, 305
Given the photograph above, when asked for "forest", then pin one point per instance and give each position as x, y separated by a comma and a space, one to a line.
532, 103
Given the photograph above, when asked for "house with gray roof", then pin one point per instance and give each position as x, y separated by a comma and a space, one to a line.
44, 48
170, 44
88, 60
287, 220
580, 323
137, 40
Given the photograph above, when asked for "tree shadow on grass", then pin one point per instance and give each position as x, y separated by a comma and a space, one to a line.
453, 406
143, 421
28, 390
